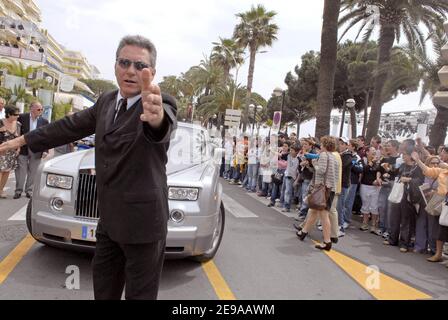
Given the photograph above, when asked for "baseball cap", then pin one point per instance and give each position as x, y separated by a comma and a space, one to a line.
345, 140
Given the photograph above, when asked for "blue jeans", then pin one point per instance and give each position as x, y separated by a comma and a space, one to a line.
340, 206
227, 171
349, 203
287, 191
236, 172
304, 191
252, 175
383, 208
276, 188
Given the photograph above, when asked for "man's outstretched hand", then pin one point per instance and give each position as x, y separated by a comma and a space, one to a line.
152, 101
13, 144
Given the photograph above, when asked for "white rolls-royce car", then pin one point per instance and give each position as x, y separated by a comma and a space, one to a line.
63, 210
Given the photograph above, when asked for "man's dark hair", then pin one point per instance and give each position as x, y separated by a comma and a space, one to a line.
394, 143
362, 138
296, 147
10, 110
140, 42
377, 139
408, 146
431, 150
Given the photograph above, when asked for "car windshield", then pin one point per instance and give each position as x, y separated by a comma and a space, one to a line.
188, 147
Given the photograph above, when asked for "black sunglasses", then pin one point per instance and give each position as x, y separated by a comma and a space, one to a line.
126, 63
15, 114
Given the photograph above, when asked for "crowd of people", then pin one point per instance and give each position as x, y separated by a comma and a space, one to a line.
22, 161
359, 178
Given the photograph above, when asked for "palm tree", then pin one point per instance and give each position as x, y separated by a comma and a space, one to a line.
327, 70
431, 84
395, 17
18, 69
255, 30
228, 55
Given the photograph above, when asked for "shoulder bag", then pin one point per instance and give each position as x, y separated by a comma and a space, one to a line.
318, 195
443, 220
396, 194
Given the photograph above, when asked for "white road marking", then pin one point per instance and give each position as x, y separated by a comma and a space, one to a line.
19, 215
236, 209
265, 201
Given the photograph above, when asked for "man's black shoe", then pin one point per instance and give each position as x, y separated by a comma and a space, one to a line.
28, 195
334, 240
17, 195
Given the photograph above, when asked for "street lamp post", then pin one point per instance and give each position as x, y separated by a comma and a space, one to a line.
350, 103
279, 92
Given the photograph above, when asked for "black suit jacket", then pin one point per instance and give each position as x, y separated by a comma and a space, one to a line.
130, 160
24, 120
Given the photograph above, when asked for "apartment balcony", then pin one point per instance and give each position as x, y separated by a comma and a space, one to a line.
17, 6
32, 9
21, 53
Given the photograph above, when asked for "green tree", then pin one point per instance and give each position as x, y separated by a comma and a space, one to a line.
395, 17
254, 31
18, 69
327, 70
431, 84
228, 55
37, 84
355, 69
60, 110
99, 86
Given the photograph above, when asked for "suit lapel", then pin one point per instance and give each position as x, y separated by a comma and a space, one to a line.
110, 112
130, 113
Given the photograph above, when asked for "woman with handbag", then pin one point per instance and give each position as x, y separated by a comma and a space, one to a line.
442, 189
9, 129
321, 192
403, 216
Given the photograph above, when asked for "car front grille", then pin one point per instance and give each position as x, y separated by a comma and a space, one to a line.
86, 197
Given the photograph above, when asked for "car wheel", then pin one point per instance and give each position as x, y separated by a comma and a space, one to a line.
28, 221
28, 217
217, 237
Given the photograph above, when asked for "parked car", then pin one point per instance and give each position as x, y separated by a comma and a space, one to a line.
63, 210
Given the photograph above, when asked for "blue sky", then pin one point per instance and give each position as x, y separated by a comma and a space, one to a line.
183, 32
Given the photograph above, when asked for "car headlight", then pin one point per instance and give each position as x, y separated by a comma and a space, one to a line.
189, 194
59, 181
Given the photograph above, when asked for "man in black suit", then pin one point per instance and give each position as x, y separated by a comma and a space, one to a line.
132, 129
29, 161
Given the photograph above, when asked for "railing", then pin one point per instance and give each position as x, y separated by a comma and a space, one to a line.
21, 53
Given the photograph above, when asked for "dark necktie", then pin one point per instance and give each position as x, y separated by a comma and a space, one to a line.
122, 107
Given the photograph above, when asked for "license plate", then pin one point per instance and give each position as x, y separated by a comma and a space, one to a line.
88, 233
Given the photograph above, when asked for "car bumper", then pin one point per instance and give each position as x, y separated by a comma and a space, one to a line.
67, 232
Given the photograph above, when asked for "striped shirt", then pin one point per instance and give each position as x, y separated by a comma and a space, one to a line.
320, 167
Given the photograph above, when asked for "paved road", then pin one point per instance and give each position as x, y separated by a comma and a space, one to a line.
260, 258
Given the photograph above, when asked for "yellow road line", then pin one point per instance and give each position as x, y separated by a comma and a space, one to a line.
219, 284
379, 285
9, 263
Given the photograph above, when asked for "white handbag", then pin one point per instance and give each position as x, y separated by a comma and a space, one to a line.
396, 193
443, 220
